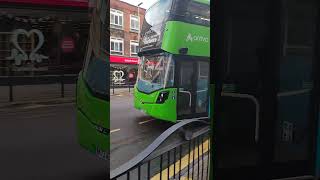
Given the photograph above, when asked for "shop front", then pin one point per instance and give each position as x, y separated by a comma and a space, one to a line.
123, 71
42, 37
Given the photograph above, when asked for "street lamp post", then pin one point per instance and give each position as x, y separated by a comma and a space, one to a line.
139, 20
139, 30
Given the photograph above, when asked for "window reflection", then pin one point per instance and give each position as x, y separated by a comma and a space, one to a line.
42, 42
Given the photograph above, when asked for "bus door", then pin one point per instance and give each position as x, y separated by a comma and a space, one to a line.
193, 82
265, 112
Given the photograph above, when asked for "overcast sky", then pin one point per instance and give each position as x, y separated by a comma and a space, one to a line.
146, 3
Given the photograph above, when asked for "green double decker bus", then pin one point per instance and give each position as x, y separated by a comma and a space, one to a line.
173, 76
92, 99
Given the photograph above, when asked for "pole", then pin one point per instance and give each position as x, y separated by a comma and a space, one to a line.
129, 85
139, 20
112, 87
62, 81
10, 85
139, 23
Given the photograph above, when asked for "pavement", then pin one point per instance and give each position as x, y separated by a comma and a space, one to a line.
36, 94
41, 143
48, 94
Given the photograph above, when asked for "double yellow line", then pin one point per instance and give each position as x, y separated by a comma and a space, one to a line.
184, 162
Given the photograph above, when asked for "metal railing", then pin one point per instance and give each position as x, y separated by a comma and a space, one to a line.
127, 85
183, 159
59, 77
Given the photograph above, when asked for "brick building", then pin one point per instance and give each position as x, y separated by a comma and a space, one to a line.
125, 25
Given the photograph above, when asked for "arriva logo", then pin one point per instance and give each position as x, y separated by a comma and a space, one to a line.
197, 38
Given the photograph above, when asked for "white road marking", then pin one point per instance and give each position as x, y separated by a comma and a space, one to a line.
142, 122
115, 130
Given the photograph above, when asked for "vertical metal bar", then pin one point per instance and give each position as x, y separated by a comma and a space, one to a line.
209, 155
10, 85
174, 162
128, 175
112, 87
139, 172
180, 156
198, 140
10, 91
194, 148
148, 176
161, 158
62, 82
202, 169
168, 164
62, 85
189, 151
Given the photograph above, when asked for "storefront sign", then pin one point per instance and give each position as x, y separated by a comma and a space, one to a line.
74, 3
67, 45
123, 60
118, 77
19, 55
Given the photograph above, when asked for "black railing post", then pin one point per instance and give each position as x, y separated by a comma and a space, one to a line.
198, 140
208, 160
202, 169
62, 82
168, 177
180, 157
129, 87
174, 162
139, 172
161, 159
193, 154
10, 85
112, 87
10, 92
189, 151
148, 173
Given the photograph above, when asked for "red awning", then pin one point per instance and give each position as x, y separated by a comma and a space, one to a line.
73, 3
123, 60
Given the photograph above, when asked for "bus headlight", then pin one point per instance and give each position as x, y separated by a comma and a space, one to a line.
163, 96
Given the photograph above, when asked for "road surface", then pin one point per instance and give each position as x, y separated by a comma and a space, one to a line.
131, 130
40, 143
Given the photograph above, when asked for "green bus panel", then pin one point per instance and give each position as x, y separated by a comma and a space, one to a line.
92, 113
147, 103
179, 35
203, 1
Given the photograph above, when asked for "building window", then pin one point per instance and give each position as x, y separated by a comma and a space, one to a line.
116, 18
134, 23
116, 46
134, 48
